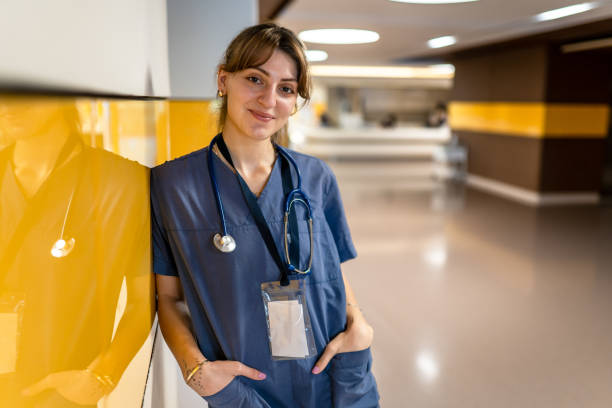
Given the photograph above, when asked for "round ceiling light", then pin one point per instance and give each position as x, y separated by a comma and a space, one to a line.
433, 1
339, 36
316, 55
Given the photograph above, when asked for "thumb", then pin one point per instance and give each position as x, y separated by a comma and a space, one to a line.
330, 351
240, 369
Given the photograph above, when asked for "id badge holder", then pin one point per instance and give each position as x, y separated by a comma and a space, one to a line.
289, 329
11, 316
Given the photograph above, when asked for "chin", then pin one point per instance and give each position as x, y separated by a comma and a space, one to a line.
262, 134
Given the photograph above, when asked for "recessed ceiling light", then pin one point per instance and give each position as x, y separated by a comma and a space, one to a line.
339, 36
316, 55
433, 1
565, 11
441, 41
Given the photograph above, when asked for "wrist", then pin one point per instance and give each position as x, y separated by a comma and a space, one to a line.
105, 381
193, 371
190, 361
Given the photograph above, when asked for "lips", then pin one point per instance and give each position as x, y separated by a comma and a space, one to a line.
261, 116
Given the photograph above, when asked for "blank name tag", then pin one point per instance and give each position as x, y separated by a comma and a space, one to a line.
287, 329
8, 342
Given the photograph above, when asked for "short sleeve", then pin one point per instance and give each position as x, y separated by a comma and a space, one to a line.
334, 214
163, 261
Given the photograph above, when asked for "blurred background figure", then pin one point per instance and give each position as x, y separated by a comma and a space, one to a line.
389, 121
75, 285
437, 116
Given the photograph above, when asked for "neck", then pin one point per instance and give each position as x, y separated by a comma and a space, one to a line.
249, 155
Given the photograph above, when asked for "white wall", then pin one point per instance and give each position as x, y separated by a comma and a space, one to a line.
111, 46
198, 33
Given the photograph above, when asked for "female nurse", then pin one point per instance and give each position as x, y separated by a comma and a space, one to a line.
210, 303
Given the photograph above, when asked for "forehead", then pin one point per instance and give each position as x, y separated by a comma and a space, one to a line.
280, 65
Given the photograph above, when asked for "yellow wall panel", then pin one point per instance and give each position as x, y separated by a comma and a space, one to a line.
192, 125
76, 289
536, 120
76, 292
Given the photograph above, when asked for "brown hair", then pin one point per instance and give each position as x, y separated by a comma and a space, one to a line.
253, 47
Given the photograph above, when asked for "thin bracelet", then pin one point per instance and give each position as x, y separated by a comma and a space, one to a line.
195, 370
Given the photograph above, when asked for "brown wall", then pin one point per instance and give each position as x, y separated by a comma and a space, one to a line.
509, 159
535, 73
507, 75
578, 77
571, 164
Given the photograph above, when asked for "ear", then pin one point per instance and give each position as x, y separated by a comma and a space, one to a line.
222, 80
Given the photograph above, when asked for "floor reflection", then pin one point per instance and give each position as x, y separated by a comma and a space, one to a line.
481, 302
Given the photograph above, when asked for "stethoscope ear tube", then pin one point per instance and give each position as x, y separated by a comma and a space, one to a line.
288, 206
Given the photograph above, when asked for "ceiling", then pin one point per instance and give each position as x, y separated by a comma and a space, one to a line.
405, 28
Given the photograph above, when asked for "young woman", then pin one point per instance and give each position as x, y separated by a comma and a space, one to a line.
219, 234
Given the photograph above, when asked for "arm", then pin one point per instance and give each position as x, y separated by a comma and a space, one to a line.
357, 336
175, 324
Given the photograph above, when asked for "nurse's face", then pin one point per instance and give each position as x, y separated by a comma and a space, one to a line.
260, 99
23, 117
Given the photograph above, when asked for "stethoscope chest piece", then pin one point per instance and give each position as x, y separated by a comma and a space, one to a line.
225, 243
62, 247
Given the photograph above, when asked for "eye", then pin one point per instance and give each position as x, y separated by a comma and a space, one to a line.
287, 90
254, 80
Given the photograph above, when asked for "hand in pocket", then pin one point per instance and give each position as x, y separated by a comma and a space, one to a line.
213, 376
357, 336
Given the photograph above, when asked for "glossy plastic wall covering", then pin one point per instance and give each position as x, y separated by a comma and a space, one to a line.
76, 292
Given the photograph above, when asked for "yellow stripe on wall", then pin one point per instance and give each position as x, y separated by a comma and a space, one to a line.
587, 120
531, 119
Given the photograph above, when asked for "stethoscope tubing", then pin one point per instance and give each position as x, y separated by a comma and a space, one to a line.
295, 195
213, 179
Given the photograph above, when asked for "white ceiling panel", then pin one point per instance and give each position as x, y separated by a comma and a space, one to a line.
405, 28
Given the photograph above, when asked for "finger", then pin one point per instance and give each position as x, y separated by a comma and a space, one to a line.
330, 351
246, 371
38, 387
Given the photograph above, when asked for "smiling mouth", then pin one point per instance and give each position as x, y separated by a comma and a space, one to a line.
264, 117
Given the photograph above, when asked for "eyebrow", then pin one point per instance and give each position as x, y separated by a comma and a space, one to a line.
267, 74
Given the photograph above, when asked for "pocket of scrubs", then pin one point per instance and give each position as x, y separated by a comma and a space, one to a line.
353, 384
236, 394
288, 322
11, 308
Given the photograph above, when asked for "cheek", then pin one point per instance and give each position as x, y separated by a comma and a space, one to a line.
285, 107
233, 107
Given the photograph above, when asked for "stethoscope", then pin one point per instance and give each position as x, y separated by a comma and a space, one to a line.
224, 242
63, 246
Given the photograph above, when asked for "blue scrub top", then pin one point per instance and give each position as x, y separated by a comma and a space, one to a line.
222, 290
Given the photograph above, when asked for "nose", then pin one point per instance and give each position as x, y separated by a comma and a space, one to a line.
267, 98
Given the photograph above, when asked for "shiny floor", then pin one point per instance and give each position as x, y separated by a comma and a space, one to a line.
480, 302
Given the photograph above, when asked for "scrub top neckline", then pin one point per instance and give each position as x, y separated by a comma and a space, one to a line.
273, 174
